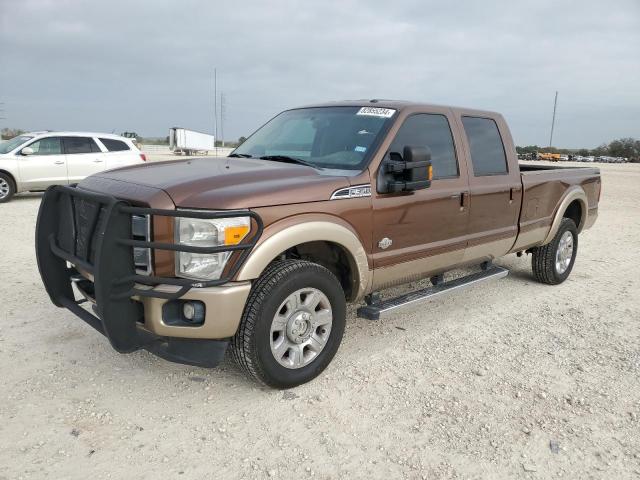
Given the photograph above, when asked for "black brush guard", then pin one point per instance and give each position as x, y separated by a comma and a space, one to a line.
93, 232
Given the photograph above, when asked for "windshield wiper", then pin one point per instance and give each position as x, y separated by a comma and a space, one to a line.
286, 158
240, 155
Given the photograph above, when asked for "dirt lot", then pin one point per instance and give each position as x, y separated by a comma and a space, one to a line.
511, 380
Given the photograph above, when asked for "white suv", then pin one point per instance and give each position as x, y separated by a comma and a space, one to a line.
34, 161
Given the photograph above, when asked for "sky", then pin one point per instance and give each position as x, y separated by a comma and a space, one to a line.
147, 65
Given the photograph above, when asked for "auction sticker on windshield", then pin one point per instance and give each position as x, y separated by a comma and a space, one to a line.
376, 112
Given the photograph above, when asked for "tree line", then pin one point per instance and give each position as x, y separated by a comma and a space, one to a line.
622, 147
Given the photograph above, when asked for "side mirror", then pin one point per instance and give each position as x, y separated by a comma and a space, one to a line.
27, 151
407, 172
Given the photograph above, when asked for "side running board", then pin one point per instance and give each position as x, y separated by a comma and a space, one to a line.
384, 308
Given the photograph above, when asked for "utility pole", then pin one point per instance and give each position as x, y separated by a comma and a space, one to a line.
215, 110
553, 120
223, 115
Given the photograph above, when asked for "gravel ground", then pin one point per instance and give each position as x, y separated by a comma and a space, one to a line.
512, 379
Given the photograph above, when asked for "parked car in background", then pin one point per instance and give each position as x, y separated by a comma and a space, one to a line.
37, 160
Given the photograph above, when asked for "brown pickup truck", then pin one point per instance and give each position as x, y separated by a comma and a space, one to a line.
323, 205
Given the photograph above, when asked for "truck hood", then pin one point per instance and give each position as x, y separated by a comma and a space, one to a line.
229, 183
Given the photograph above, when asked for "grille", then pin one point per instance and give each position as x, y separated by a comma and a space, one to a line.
141, 229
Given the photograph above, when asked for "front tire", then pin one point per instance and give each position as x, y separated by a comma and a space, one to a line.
7, 188
552, 263
292, 324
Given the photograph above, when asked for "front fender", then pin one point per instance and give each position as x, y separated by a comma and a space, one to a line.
293, 231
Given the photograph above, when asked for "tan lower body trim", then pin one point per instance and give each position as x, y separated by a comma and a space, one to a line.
413, 270
531, 238
592, 216
405, 272
223, 311
487, 251
575, 193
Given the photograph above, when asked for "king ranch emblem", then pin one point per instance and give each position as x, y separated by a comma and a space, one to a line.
385, 243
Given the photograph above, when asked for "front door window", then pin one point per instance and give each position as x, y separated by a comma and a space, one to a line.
47, 146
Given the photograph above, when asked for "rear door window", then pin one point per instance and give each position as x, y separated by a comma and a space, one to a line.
113, 145
47, 146
432, 131
74, 145
487, 150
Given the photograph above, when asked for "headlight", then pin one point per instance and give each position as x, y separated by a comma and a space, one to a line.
199, 232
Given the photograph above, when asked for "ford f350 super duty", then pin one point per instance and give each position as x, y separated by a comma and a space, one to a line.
259, 253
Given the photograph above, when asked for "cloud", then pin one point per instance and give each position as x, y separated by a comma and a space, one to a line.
147, 65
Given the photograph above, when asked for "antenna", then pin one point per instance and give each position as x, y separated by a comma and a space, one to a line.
553, 120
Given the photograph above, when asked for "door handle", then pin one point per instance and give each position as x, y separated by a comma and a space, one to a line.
462, 197
97, 160
512, 190
59, 162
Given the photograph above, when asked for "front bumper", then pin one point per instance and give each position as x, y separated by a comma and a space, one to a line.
223, 310
84, 238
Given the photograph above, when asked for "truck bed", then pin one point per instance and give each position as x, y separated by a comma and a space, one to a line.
544, 187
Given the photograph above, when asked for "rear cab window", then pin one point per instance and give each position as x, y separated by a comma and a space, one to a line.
75, 145
429, 130
487, 150
113, 145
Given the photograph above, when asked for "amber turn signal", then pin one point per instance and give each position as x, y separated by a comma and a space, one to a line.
234, 235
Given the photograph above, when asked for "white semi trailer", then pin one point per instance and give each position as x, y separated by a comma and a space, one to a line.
190, 142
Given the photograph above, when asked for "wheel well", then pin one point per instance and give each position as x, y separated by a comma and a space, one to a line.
11, 177
574, 212
333, 257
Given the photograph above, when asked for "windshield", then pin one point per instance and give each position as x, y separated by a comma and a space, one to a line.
8, 145
328, 137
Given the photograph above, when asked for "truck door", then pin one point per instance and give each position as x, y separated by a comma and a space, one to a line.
495, 187
419, 232
84, 157
46, 166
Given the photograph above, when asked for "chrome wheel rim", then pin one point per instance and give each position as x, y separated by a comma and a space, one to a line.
564, 252
301, 328
4, 188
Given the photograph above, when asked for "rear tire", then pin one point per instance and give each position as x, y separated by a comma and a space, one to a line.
292, 324
7, 188
552, 263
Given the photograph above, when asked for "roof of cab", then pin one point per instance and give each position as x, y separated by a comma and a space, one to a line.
399, 105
